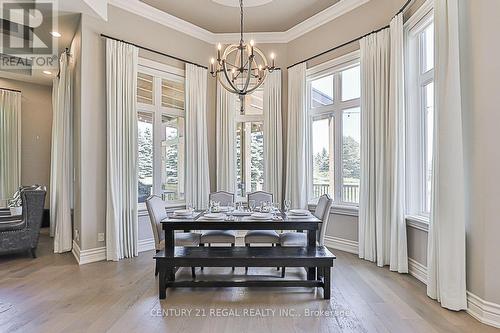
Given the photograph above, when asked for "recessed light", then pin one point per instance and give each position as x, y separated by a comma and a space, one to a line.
55, 34
47, 72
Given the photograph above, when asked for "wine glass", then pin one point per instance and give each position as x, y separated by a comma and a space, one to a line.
275, 209
190, 207
252, 204
230, 211
288, 204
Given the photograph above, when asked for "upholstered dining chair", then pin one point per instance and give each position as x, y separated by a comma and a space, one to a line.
220, 236
157, 213
322, 212
210, 237
21, 233
261, 236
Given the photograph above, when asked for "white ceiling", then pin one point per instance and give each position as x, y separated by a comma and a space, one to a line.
221, 16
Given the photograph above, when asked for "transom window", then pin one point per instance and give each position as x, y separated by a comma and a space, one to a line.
420, 114
334, 105
161, 131
250, 144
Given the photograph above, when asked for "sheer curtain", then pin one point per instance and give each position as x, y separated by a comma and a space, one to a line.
10, 144
296, 154
121, 206
61, 165
273, 155
446, 280
197, 174
226, 161
397, 124
382, 228
375, 186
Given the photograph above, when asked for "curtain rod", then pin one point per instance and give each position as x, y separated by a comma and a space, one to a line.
14, 90
407, 3
154, 51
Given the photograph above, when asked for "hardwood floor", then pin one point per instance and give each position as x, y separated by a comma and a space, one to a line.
53, 294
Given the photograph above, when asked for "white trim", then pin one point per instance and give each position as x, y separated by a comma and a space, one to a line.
76, 251
417, 222
334, 64
341, 244
149, 12
146, 245
421, 12
88, 256
142, 9
417, 270
486, 312
155, 67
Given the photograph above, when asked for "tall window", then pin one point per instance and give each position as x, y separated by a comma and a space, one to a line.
161, 131
334, 97
250, 144
420, 113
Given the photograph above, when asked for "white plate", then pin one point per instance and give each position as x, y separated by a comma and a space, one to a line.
262, 216
301, 212
298, 217
214, 216
183, 212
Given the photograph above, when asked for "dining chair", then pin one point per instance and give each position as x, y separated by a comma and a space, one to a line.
157, 213
322, 212
261, 236
219, 236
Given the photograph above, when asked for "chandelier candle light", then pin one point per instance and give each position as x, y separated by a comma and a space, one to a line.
242, 68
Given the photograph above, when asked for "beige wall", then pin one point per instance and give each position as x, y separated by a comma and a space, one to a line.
76, 56
36, 131
480, 54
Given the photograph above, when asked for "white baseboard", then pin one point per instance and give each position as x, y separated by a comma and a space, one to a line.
88, 256
417, 270
341, 244
146, 245
486, 312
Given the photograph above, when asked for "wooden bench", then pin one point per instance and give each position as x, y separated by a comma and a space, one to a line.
318, 258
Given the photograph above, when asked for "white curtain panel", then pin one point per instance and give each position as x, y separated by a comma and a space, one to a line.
446, 280
61, 164
376, 150
273, 147
121, 205
10, 144
397, 142
226, 161
197, 173
296, 154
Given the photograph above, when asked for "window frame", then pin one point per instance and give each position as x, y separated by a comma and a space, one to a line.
244, 118
335, 110
160, 72
416, 139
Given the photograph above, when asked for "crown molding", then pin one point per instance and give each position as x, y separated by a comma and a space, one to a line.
140, 8
151, 13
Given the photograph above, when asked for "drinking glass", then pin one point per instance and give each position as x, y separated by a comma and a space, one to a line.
230, 211
190, 207
252, 204
287, 203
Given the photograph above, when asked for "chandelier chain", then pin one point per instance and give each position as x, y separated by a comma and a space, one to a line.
241, 21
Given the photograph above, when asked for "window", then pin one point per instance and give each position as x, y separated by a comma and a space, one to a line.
250, 144
420, 113
334, 97
161, 132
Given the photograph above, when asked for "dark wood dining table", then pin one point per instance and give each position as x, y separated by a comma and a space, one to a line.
311, 256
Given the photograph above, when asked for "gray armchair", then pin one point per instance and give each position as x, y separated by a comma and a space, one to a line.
21, 233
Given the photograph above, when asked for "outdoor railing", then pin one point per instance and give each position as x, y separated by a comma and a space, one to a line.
350, 192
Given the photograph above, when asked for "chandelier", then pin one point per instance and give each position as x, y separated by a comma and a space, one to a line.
241, 68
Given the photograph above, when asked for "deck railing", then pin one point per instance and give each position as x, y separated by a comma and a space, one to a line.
350, 192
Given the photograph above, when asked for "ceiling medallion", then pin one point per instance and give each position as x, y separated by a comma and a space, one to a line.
241, 68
